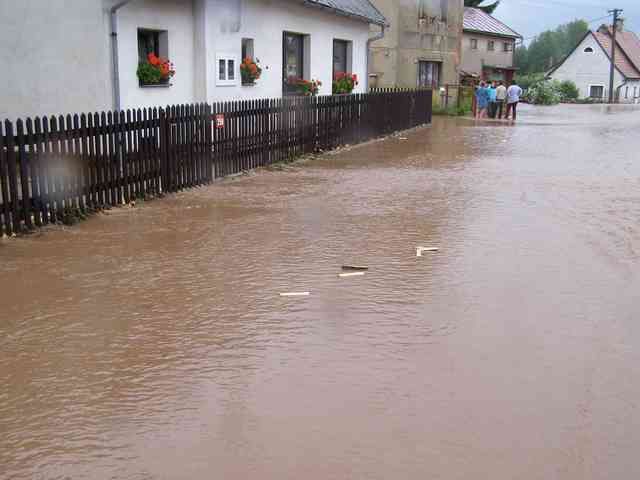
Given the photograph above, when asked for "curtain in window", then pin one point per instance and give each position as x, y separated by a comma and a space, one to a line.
428, 74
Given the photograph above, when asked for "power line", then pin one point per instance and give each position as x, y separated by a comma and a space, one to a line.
587, 21
551, 3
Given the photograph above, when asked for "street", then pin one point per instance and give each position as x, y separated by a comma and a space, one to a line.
152, 342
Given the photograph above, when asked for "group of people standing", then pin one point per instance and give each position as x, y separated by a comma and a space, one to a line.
494, 98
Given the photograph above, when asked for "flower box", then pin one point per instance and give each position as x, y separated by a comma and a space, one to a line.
344, 83
155, 72
250, 71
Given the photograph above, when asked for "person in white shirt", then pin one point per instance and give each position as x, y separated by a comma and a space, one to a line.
501, 96
513, 97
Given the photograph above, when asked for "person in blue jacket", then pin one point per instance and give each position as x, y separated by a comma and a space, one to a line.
482, 100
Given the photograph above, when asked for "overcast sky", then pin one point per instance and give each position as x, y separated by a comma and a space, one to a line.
530, 17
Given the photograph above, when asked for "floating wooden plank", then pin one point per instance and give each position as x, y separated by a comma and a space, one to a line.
420, 250
355, 267
295, 294
351, 274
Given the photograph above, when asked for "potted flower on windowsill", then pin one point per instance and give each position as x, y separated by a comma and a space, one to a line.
155, 71
250, 71
344, 83
307, 88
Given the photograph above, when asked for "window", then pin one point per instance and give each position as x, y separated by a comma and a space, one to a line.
425, 9
247, 48
293, 60
226, 66
635, 92
626, 92
596, 91
152, 41
341, 56
428, 74
474, 44
588, 50
491, 45
507, 46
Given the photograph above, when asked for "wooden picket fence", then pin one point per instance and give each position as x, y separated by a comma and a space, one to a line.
53, 168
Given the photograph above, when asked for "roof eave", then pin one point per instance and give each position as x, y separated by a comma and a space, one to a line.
355, 16
491, 34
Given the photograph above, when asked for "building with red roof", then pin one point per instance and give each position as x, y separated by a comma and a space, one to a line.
487, 47
588, 65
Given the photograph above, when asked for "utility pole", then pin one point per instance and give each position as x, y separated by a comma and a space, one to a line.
616, 12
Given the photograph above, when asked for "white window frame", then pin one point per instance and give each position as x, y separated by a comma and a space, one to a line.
473, 44
227, 58
604, 89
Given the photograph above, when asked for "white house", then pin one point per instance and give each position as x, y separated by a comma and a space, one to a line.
588, 65
82, 55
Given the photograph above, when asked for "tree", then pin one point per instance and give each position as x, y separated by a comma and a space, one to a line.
485, 8
550, 47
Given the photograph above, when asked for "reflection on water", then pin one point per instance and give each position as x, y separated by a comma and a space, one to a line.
152, 342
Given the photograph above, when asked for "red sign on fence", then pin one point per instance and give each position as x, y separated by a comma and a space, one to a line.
219, 121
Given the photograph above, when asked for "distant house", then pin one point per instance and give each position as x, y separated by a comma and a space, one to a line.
588, 65
421, 47
487, 47
83, 55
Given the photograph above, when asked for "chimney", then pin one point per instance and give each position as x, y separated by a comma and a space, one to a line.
620, 25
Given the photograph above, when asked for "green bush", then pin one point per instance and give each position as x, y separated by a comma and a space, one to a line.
545, 92
568, 91
527, 81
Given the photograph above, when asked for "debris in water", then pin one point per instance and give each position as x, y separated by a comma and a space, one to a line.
355, 267
419, 250
402, 138
352, 274
295, 294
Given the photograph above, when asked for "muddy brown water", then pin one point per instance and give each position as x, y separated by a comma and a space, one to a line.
153, 343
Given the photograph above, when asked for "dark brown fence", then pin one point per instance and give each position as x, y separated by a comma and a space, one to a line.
55, 168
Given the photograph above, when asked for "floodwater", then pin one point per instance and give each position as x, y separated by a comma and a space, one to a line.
152, 343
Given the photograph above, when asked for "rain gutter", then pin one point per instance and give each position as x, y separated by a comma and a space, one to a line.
370, 40
113, 20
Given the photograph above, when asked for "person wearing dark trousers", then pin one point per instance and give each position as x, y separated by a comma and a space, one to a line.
492, 100
501, 96
513, 97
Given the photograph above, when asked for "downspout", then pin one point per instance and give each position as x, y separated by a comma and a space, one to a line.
379, 36
113, 14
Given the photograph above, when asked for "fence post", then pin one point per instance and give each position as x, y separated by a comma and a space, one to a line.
163, 152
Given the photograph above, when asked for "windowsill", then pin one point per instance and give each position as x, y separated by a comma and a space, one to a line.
155, 85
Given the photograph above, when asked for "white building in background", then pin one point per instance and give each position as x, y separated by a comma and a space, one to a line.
588, 65
61, 57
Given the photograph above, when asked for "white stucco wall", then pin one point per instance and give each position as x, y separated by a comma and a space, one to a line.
586, 69
177, 18
265, 21
55, 57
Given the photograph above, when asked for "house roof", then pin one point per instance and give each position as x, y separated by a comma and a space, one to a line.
360, 9
475, 20
627, 51
628, 42
623, 64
